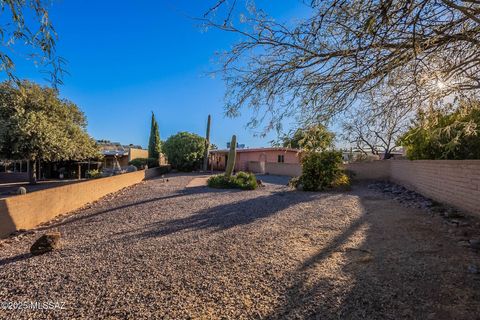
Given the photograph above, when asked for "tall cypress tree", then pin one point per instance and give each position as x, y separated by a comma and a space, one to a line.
154, 147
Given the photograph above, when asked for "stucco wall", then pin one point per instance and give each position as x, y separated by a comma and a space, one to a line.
281, 169
30, 210
137, 153
374, 170
268, 156
244, 158
456, 182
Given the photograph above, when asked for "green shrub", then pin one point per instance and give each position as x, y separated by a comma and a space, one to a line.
242, 180
246, 181
342, 181
93, 174
452, 133
185, 151
140, 163
163, 169
321, 171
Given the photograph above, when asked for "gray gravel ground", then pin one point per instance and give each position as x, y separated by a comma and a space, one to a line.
158, 250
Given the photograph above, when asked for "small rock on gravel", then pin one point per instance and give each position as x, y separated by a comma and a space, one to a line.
46, 243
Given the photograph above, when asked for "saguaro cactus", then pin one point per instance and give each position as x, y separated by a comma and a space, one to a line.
207, 145
231, 157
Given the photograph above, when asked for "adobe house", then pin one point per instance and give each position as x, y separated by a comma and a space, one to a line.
273, 160
114, 151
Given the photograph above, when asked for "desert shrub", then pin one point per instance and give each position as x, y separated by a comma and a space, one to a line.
246, 181
449, 134
185, 151
321, 171
140, 163
242, 180
294, 182
341, 181
93, 174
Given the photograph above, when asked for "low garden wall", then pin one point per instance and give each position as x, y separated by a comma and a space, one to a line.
30, 210
373, 170
454, 182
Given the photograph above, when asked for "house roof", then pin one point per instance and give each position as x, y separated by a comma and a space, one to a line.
278, 149
109, 148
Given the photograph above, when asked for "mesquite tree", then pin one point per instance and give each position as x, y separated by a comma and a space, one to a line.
27, 23
319, 66
376, 124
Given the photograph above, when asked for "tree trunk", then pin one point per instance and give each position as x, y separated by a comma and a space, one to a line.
33, 171
387, 155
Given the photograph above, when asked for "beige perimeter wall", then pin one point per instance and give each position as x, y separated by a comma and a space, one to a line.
454, 182
30, 210
374, 170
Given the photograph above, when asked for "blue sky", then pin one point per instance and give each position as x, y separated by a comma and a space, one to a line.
128, 58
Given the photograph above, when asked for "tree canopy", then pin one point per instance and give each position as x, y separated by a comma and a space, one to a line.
319, 66
375, 124
184, 151
313, 138
36, 124
26, 27
451, 133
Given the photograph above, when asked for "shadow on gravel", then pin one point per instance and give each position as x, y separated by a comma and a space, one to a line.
229, 215
19, 257
401, 270
300, 298
186, 192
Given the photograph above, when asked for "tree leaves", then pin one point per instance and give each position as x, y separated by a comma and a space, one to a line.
27, 23
445, 134
36, 124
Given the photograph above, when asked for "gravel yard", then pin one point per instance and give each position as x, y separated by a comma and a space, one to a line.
160, 250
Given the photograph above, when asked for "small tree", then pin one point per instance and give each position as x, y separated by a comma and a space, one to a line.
374, 126
312, 138
453, 133
154, 142
36, 124
321, 171
185, 151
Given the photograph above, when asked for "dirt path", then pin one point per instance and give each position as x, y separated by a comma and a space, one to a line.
159, 250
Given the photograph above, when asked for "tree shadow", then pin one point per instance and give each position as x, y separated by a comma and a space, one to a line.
19, 257
399, 271
186, 192
226, 216
298, 300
